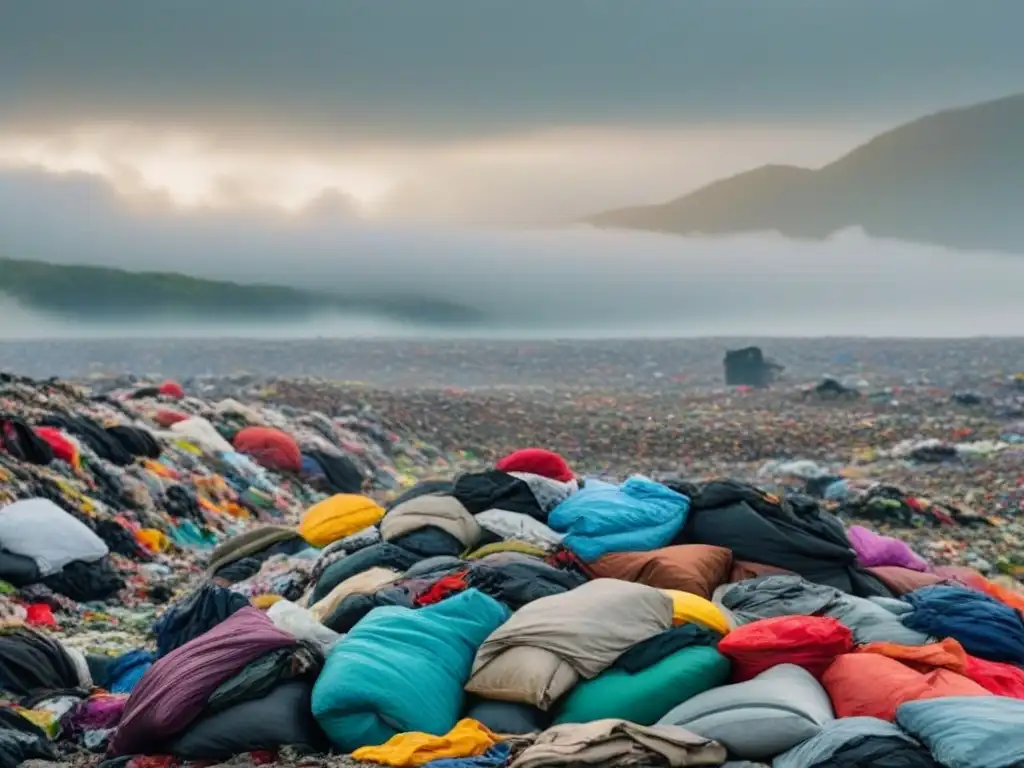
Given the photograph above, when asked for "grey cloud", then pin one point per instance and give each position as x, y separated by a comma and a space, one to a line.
327, 69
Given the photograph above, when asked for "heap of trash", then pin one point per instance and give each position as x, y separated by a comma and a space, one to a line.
189, 581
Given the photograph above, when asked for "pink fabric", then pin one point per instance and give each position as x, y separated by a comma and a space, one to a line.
873, 549
175, 689
966, 576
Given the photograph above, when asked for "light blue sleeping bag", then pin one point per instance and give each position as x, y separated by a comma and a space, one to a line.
401, 669
968, 731
637, 516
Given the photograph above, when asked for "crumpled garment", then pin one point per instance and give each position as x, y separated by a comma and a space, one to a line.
857, 741
542, 651
31, 662
443, 512
984, 626
21, 740
260, 676
39, 529
173, 692
967, 732
772, 596
200, 612
301, 624
343, 547
365, 583
549, 492
873, 549
92, 722
654, 649
495, 757
638, 515
282, 575
515, 525
619, 744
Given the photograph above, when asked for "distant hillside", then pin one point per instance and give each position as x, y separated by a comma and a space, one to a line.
100, 293
955, 178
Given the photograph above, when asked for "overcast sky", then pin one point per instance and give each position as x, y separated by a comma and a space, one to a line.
488, 111
391, 144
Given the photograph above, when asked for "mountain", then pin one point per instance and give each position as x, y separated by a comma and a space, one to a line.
102, 293
954, 178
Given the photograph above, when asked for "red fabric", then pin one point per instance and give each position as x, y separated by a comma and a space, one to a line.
444, 587
811, 642
153, 761
872, 685
40, 615
62, 447
166, 417
271, 448
565, 560
537, 461
172, 389
996, 677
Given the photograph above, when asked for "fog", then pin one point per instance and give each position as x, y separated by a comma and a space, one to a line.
561, 283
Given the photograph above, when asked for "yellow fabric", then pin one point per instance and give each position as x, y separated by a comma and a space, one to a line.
265, 601
512, 545
152, 539
687, 607
47, 721
337, 517
468, 738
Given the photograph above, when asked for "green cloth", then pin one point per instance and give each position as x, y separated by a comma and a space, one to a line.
648, 695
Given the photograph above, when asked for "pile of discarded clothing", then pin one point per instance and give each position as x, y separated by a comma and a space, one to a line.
110, 504
894, 506
516, 615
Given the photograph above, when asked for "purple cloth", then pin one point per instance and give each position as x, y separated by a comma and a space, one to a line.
874, 549
99, 713
175, 689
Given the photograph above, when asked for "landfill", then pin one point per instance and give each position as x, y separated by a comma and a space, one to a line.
260, 571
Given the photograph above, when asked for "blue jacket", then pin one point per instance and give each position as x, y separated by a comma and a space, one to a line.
637, 516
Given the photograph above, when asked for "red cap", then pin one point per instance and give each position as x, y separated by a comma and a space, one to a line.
537, 461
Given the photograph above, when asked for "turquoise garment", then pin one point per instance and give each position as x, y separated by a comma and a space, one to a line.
191, 536
637, 516
645, 697
402, 670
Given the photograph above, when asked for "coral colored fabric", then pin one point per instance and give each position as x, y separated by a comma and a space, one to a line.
537, 461
872, 685
165, 417
271, 448
1003, 595
811, 642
